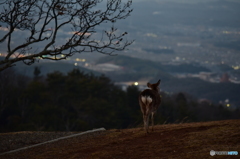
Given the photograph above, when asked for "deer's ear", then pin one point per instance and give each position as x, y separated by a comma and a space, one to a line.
149, 85
158, 83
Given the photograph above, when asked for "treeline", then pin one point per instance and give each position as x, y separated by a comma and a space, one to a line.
77, 101
64, 102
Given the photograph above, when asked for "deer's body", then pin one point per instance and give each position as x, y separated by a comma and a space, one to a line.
149, 101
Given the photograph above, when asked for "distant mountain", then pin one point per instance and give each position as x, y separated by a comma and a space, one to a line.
185, 68
136, 69
150, 68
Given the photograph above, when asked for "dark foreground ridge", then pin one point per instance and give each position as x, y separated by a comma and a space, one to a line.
188, 140
91, 132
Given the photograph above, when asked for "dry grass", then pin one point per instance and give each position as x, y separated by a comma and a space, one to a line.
189, 140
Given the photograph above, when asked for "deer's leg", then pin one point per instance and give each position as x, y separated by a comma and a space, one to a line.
146, 121
152, 120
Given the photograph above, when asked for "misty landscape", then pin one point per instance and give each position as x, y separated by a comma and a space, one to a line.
193, 46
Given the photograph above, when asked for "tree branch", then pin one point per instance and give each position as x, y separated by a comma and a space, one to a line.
34, 18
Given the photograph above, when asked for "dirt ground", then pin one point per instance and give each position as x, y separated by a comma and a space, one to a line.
188, 140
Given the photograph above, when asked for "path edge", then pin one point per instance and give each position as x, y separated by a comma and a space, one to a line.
54, 140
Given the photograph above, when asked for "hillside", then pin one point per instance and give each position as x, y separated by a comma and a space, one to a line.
136, 69
188, 140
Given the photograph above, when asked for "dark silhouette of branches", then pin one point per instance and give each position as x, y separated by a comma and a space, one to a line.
42, 22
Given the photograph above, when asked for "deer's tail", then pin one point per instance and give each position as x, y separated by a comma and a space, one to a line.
146, 100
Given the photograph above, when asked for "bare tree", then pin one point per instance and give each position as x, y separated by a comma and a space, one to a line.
31, 30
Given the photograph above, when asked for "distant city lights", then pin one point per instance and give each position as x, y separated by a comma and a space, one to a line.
151, 35
80, 60
230, 32
226, 32
136, 83
236, 67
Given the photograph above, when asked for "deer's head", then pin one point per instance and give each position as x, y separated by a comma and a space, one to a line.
154, 86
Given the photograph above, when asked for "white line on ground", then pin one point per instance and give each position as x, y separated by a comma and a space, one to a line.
50, 141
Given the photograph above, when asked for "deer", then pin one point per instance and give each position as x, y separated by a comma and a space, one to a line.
149, 101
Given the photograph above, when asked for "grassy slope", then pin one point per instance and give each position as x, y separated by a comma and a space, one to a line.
189, 140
